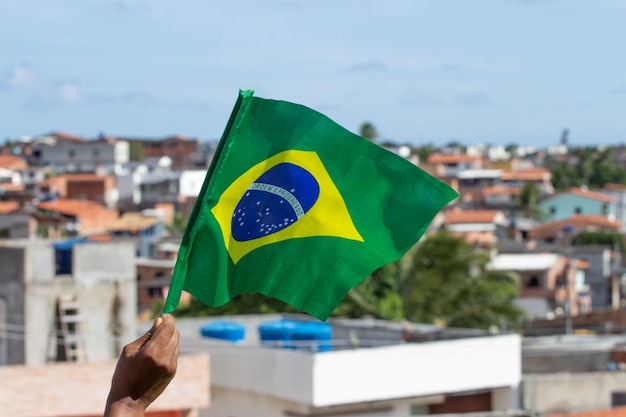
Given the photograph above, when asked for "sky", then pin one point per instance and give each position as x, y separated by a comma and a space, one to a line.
421, 71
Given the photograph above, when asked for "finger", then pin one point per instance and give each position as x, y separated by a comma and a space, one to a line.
141, 342
163, 334
157, 321
137, 344
174, 348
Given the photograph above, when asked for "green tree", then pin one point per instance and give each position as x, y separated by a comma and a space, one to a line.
368, 131
512, 148
612, 239
443, 280
378, 295
179, 223
135, 151
424, 152
528, 202
449, 283
250, 303
591, 167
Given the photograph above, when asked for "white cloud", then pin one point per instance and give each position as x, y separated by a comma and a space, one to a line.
21, 77
43, 92
69, 93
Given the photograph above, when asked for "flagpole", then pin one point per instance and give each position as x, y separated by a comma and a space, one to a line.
177, 285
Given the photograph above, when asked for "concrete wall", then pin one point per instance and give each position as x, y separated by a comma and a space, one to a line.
398, 371
386, 374
12, 295
565, 206
543, 362
102, 273
18, 225
237, 403
571, 391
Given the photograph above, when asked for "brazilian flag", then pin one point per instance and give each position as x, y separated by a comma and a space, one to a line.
298, 208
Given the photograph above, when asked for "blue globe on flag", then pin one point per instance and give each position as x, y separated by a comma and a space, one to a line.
275, 201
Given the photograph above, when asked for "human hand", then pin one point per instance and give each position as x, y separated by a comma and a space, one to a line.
145, 367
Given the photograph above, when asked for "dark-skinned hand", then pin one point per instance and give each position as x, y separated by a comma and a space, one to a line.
145, 367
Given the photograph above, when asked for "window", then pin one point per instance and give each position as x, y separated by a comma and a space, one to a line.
71, 154
618, 399
155, 292
96, 153
605, 209
532, 282
553, 210
578, 210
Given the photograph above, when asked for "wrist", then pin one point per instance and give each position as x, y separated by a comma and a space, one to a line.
124, 407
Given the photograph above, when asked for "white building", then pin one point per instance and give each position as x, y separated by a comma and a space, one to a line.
393, 379
63, 155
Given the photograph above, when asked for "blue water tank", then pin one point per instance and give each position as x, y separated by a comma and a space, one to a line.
224, 330
294, 334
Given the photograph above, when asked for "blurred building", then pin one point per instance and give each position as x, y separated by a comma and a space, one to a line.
65, 300
374, 368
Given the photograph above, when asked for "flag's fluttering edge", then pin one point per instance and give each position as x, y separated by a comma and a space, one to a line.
298, 208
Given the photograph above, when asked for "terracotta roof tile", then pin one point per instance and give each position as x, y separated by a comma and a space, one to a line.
478, 238
471, 216
133, 222
12, 187
66, 136
439, 158
614, 187
531, 174
501, 190
592, 195
577, 222
9, 206
12, 162
79, 389
70, 207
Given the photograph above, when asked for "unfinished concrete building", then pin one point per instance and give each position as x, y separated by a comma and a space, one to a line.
65, 300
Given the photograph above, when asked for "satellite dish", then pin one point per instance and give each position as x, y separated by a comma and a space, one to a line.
404, 151
165, 162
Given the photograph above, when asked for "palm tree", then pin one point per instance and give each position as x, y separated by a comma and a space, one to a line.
449, 283
528, 202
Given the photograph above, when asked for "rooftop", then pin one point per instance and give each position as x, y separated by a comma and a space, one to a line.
583, 192
70, 207
133, 222
576, 222
471, 216
13, 162
531, 174
524, 261
439, 158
